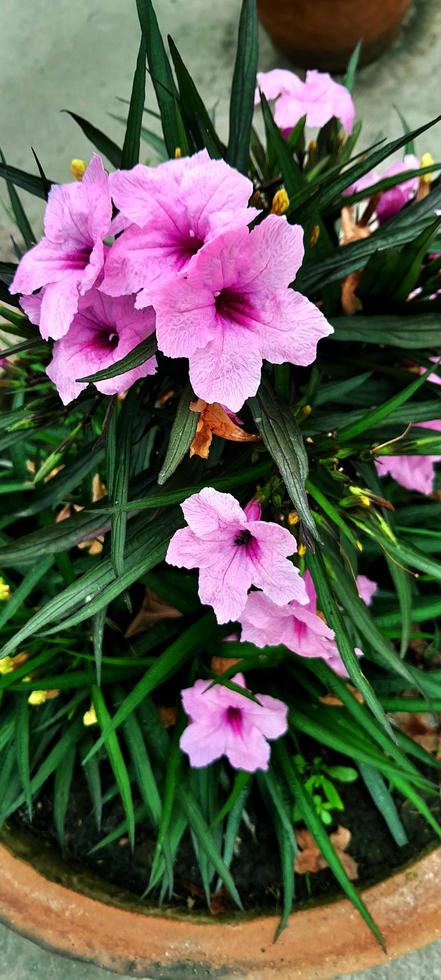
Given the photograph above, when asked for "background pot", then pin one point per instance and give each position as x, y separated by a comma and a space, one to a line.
74, 913
323, 33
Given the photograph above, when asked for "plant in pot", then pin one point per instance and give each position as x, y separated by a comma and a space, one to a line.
216, 626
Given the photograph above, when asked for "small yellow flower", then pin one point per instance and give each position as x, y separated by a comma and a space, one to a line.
280, 202
301, 550
426, 161
5, 591
364, 500
293, 518
306, 410
6, 666
77, 168
90, 718
178, 153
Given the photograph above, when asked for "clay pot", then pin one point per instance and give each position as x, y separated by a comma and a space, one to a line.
323, 33
74, 913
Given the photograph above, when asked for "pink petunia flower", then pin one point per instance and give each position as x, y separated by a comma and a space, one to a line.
395, 198
366, 588
318, 98
175, 209
103, 331
70, 257
232, 309
297, 627
233, 550
223, 722
412, 472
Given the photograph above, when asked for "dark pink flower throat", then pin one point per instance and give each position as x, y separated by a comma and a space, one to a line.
233, 718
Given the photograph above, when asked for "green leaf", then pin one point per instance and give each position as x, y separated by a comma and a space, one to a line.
19, 213
20, 348
197, 120
181, 435
119, 768
409, 331
139, 355
162, 77
98, 625
241, 780
142, 767
28, 182
190, 642
62, 787
351, 70
282, 822
243, 88
99, 140
26, 587
384, 802
370, 419
409, 264
320, 836
21, 711
284, 442
132, 139
200, 829
292, 175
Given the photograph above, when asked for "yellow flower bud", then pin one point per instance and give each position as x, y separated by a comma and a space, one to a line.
89, 717
6, 666
77, 168
306, 410
36, 698
301, 550
364, 500
426, 161
178, 153
5, 591
312, 146
293, 518
280, 202
359, 545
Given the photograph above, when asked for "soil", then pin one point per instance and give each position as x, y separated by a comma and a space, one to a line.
256, 864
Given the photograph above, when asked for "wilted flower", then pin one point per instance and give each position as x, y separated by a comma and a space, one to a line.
103, 331
318, 98
233, 550
232, 308
298, 627
70, 257
224, 722
175, 209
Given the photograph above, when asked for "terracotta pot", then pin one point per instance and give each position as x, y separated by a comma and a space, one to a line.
74, 913
323, 33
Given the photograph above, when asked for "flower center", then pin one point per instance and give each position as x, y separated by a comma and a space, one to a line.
243, 537
112, 340
233, 717
234, 307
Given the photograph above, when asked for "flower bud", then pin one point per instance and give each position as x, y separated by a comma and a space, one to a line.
78, 168
280, 202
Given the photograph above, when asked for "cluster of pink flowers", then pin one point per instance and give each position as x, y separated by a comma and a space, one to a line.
319, 98
179, 257
234, 550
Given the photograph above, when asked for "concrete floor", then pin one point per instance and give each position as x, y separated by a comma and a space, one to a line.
55, 54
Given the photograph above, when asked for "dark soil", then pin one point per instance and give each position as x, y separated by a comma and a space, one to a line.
256, 864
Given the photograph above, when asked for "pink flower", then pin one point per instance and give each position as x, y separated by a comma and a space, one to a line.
70, 257
395, 198
318, 98
297, 627
223, 722
175, 209
412, 472
232, 309
103, 331
366, 588
234, 552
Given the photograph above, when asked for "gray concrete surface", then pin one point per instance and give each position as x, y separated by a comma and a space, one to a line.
57, 54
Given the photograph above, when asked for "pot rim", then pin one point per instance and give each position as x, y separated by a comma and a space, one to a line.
76, 914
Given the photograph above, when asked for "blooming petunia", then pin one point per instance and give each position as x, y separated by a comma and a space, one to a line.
319, 98
233, 550
102, 332
224, 722
174, 210
412, 472
392, 200
232, 309
70, 257
366, 588
298, 627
